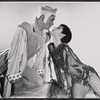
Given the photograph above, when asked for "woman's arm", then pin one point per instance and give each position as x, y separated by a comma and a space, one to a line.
66, 69
73, 54
51, 48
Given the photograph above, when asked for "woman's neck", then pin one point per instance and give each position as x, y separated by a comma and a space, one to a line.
56, 41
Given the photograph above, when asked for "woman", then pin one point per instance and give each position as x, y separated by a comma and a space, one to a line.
80, 77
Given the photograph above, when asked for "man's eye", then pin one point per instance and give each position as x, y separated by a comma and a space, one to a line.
51, 20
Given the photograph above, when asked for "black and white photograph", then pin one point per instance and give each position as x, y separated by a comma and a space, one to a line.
49, 49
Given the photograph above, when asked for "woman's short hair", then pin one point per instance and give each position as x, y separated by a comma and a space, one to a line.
68, 34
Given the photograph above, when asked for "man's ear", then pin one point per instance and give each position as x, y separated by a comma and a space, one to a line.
41, 17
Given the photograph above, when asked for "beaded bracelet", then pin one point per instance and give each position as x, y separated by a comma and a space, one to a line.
13, 77
41, 71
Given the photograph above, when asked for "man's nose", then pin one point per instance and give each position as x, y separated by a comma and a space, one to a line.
54, 28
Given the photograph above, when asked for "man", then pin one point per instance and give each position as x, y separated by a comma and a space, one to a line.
27, 42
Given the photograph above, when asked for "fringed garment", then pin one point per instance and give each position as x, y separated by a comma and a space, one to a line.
56, 89
65, 60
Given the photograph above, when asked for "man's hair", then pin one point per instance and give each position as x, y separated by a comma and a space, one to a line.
68, 34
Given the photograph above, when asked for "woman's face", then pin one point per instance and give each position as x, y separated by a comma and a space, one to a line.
57, 31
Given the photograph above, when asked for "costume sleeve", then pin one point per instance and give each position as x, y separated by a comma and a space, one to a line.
17, 58
51, 48
18, 52
66, 65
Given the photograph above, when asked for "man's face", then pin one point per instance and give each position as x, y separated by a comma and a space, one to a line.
49, 22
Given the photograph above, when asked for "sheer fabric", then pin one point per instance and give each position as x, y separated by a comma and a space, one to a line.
82, 74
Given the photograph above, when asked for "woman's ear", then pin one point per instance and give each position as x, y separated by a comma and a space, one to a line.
63, 35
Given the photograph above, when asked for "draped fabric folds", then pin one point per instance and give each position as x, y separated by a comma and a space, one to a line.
3, 61
3, 67
17, 58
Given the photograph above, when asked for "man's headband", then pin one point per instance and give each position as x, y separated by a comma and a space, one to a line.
47, 11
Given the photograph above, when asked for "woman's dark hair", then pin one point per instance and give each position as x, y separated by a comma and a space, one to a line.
67, 32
